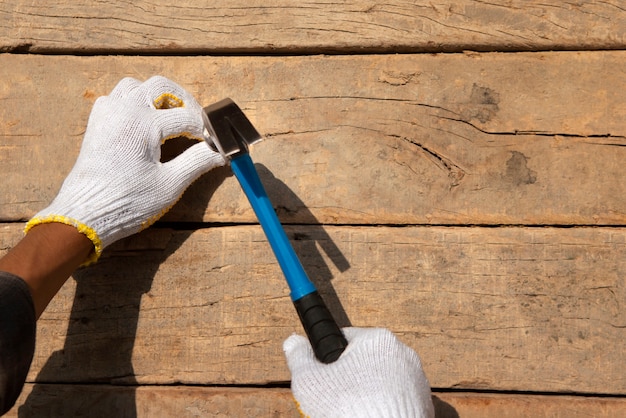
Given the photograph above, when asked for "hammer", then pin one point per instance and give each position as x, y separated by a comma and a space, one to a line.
230, 132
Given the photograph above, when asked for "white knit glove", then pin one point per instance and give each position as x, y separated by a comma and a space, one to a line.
118, 186
377, 376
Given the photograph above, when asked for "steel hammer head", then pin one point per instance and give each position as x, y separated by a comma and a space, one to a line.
228, 129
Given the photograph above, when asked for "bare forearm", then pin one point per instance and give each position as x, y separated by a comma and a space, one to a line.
45, 258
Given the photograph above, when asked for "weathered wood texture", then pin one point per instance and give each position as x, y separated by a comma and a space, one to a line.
95, 401
529, 309
292, 26
523, 139
531, 138
460, 405
38, 401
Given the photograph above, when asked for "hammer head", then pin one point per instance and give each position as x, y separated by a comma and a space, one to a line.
228, 129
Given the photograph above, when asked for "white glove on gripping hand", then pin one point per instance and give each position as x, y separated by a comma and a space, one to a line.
377, 376
118, 186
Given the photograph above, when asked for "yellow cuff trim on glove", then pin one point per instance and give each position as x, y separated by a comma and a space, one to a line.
82, 228
302, 414
168, 101
185, 134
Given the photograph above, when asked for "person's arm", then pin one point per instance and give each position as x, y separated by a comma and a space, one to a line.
17, 337
117, 187
45, 258
31, 273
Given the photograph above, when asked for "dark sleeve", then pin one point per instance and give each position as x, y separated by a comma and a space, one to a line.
17, 337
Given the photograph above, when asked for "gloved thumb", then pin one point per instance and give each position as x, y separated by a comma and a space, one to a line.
298, 352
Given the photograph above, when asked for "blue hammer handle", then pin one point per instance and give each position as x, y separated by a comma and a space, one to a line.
326, 338
296, 277
230, 132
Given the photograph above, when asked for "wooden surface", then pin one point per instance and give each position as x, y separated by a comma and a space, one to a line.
473, 202
150, 401
524, 309
291, 26
409, 139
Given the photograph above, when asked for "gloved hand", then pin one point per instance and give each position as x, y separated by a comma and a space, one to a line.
118, 186
377, 376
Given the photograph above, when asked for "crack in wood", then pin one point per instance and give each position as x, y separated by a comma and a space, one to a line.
252, 344
535, 133
455, 173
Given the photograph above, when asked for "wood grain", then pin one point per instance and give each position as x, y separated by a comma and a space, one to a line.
528, 309
285, 26
151, 401
469, 405
183, 401
407, 139
471, 202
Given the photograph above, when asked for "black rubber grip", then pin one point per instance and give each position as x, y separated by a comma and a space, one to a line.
326, 338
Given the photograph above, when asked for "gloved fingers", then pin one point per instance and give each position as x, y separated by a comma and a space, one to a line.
299, 353
378, 340
157, 92
172, 123
163, 93
191, 164
125, 88
352, 333
361, 335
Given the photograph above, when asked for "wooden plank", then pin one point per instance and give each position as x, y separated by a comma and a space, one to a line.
455, 405
528, 309
407, 139
151, 401
291, 27
183, 401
